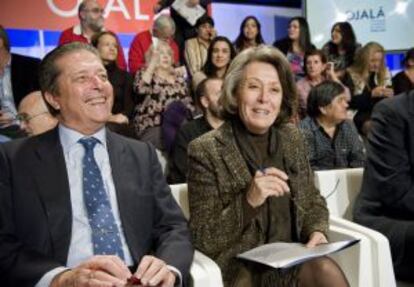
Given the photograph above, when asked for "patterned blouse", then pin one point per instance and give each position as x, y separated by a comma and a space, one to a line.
343, 151
157, 96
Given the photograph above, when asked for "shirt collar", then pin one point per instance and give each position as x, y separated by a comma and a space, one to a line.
69, 137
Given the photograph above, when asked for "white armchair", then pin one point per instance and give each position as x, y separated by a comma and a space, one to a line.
340, 188
204, 271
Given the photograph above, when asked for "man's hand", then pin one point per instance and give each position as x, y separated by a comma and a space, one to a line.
101, 270
154, 272
315, 239
270, 182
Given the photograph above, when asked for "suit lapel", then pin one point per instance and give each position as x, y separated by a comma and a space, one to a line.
53, 187
125, 187
232, 157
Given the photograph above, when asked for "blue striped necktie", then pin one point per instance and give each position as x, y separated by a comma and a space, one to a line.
105, 233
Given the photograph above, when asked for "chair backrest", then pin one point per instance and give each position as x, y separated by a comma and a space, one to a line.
180, 193
340, 188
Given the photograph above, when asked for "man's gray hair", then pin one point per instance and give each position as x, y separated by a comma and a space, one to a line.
162, 22
49, 70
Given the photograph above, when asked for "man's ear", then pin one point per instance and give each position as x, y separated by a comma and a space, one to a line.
52, 100
204, 102
322, 110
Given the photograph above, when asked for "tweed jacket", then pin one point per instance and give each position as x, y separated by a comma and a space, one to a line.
218, 179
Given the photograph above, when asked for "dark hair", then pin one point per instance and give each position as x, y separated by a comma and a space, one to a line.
201, 91
408, 56
95, 38
239, 43
349, 42
322, 95
314, 52
49, 70
5, 38
209, 69
203, 20
304, 34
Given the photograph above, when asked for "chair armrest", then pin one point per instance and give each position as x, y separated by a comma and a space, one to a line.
205, 272
375, 252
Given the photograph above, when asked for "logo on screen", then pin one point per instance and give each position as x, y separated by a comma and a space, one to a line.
376, 17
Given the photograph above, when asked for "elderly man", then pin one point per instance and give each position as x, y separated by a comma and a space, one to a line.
18, 77
34, 116
79, 204
206, 96
91, 20
163, 29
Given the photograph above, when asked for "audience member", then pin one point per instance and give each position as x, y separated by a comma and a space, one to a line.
386, 200
159, 85
340, 50
332, 140
250, 34
67, 191
91, 21
250, 182
184, 30
195, 52
162, 30
206, 96
121, 81
33, 115
404, 80
296, 44
370, 82
316, 71
18, 77
219, 56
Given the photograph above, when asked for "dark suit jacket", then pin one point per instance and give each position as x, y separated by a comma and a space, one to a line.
36, 216
386, 201
24, 76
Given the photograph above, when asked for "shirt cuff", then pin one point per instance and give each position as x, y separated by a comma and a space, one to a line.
49, 276
178, 276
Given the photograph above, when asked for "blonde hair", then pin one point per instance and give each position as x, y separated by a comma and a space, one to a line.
235, 76
360, 68
161, 44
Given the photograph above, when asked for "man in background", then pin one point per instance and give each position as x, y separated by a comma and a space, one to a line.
206, 96
18, 77
34, 116
91, 22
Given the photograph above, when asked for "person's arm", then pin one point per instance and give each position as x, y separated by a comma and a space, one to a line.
309, 138
19, 264
389, 173
190, 57
178, 171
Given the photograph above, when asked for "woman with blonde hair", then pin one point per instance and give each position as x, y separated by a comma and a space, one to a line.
250, 182
370, 83
157, 86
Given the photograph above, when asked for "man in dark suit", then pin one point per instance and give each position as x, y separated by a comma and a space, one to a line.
79, 204
386, 201
18, 77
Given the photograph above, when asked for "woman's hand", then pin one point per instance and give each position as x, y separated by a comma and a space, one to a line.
381, 92
270, 182
315, 239
119, 119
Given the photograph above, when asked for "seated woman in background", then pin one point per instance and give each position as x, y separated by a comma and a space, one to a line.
195, 52
250, 34
250, 182
332, 140
341, 49
296, 45
158, 86
370, 82
316, 70
404, 80
219, 56
107, 44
